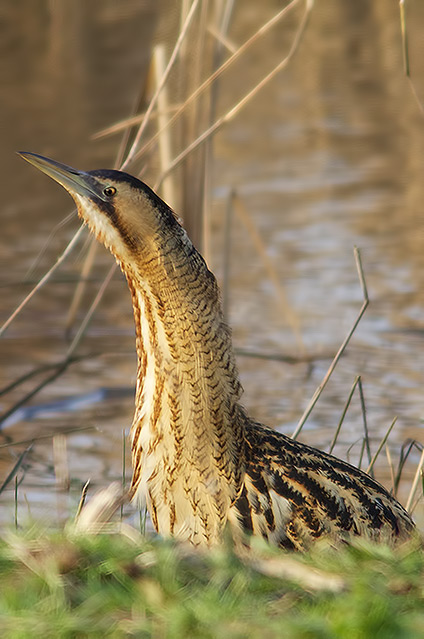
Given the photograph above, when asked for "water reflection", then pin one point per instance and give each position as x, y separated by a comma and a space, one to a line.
328, 157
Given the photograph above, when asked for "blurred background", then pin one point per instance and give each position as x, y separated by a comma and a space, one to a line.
328, 155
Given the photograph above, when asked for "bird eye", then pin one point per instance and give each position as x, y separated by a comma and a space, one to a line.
109, 191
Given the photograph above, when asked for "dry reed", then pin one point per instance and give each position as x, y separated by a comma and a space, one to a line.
176, 134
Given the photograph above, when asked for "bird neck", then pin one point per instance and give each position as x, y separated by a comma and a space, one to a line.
187, 382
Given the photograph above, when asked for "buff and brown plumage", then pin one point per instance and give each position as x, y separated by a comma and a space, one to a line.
199, 461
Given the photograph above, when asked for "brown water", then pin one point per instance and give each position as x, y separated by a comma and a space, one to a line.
330, 155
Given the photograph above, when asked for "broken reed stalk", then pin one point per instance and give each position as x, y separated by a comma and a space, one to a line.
342, 348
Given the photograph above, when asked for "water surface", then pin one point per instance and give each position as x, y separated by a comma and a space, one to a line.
329, 156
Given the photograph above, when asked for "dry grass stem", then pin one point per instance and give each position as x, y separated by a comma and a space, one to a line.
16, 467
405, 52
124, 466
345, 409
219, 123
391, 466
82, 498
365, 423
39, 438
16, 502
165, 154
59, 370
60, 461
38, 371
153, 101
382, 443
418, 474
130, 122
89, 314
289, 568
93, 244
225, 42
408, 447
405, 47
198, 125
342, 348
93, 516
43, 280
361, 454
134, 148
82, 283
287, 359
205, 85
58, 227
225, 288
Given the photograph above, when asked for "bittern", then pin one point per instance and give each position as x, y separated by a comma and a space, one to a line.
199, 461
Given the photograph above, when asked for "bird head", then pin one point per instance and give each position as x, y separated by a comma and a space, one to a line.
123, 212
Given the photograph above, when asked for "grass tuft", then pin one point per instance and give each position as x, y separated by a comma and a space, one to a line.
109, 586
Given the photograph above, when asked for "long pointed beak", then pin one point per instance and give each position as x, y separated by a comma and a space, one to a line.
72, 180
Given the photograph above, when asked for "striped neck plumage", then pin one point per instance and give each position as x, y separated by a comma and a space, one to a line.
187, 382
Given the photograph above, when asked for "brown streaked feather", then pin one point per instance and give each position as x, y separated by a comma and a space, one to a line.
295, 493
